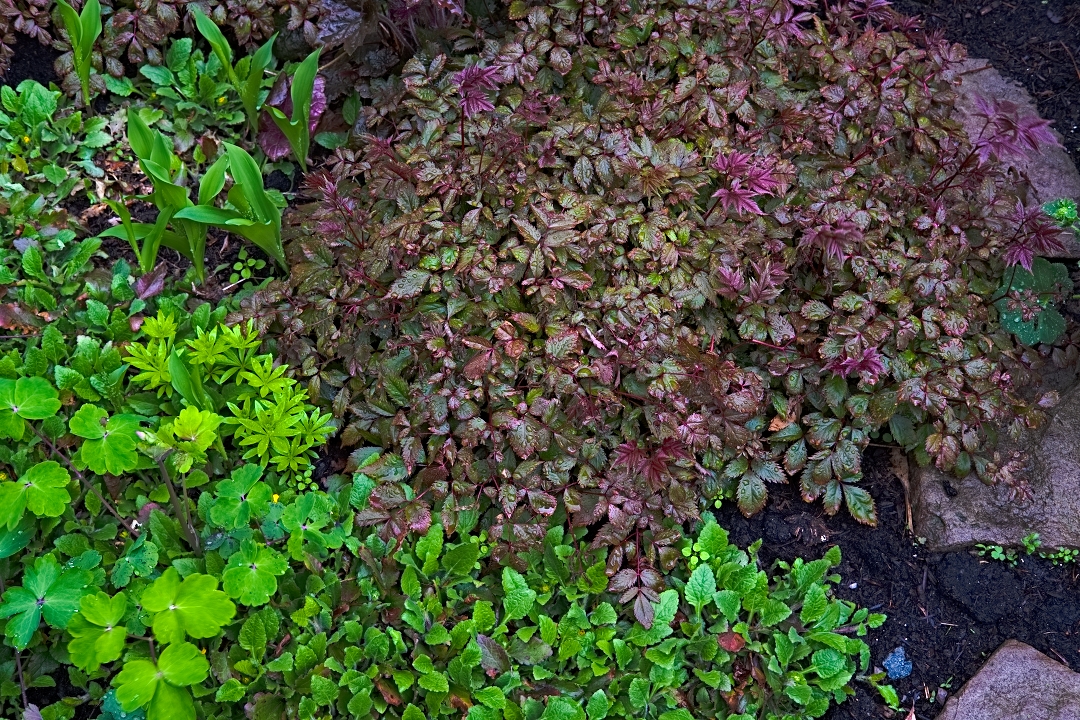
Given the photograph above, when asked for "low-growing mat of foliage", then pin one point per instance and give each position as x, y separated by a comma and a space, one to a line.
560, 281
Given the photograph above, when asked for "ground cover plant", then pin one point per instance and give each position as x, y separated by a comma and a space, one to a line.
559, 278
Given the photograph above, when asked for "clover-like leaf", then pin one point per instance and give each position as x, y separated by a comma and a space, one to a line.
109, 442
43, 489
47, 591
241, 498
193, 607
162, 688
251, 573
32, 398
98, 635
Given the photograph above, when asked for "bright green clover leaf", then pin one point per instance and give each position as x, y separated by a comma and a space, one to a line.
47, 591
241, 498
98, 635
194, 607
190, 434
250, 574
110, 442
162, 686
32, 398
43, 489
304, 519
519, 596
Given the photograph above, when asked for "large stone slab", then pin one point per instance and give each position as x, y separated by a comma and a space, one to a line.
952, 514
1051, 172
1017, 683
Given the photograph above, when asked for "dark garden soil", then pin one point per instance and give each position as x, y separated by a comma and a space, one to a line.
31, 60
1034, 42
948, 611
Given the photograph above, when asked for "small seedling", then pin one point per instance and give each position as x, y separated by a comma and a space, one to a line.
245, 267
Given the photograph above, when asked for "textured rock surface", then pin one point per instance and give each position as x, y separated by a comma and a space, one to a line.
1051, 173
953, 514
1017, 683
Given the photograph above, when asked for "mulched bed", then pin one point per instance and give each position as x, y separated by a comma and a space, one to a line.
948, 611
1034, 42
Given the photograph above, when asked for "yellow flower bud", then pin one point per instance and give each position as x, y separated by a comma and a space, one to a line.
26, 139
221, 100
276, 496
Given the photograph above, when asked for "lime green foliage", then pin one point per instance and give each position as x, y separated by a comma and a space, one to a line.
229, 390
1063, 212
83, 30
194, 95
251, 212
297, 129
168, 175
48, 591
248, 75
1026, 305
193, 607
245, 268
161, 687
46, 145
109, 445
97, 631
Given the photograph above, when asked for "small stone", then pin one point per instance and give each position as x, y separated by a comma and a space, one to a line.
1017, 683
897, 665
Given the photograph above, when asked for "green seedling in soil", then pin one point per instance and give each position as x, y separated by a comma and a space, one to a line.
245, 267
44, 143
194, 93
251, 211
249, 72
297, 129
83, 31
170, 196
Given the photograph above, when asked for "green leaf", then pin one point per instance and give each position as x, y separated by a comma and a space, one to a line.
43, 489
231, 691
561, 708
47, 592
323, 690
729, 603
773, 612
519, 597
97, 632
253, 636
814, 605
638, 694
193, 607
161, 687
251, 575
32, 398
410, 284
459, 560
701, 587
828, 662
429, 547
597, 707
434, 682
241, 498
109, 446
492, 697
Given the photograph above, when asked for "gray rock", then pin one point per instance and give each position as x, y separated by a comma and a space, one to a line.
1051, 173
952, 513
1017, 683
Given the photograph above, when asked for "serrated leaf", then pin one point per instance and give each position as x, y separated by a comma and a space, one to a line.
519, 597
47, 592
410, 284
97, 632
701, 587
